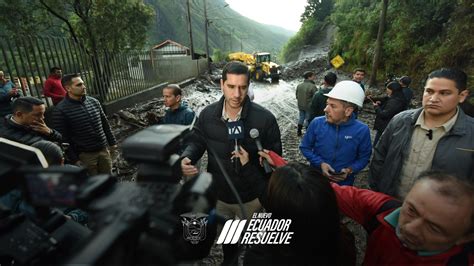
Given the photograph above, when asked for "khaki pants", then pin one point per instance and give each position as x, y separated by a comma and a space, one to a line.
98, 162
232, 211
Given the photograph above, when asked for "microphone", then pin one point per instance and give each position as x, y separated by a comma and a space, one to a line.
430, 134
236, 132
254, 134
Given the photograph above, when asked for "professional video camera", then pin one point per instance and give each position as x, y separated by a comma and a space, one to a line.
154, 221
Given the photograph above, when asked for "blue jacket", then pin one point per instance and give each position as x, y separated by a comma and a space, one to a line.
5, 99
181, 116
341, 146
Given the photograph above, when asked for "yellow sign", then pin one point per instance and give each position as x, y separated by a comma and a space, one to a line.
337, 61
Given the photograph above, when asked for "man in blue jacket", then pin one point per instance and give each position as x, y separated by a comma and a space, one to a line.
338, 144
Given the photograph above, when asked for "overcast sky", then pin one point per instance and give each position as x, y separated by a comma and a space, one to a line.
283, 13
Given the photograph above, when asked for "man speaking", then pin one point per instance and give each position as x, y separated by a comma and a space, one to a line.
223, 128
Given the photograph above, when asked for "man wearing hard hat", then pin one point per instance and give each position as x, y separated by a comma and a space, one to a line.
338, 144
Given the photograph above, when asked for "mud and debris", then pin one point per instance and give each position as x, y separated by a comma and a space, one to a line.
278, 98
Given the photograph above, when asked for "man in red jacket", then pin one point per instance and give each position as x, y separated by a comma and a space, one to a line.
433, 226
53, 87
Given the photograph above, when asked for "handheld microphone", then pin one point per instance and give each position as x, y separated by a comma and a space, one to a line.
236, 132
254, 134
430, 134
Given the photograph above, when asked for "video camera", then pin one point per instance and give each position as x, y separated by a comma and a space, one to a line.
156, 220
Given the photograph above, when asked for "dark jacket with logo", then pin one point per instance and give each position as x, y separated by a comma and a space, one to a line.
212, 135
23, 134
453, 153
83, 125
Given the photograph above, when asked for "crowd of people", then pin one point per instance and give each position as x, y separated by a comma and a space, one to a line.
419, 209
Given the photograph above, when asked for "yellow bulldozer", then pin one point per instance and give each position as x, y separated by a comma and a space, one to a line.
260, 65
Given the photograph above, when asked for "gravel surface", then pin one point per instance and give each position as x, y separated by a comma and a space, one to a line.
278, 98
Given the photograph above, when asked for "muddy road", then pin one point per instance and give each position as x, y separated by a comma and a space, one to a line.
278, 98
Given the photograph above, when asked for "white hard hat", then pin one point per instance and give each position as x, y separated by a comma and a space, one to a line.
348, 91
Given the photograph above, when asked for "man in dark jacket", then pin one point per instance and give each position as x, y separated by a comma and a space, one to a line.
318, 103
388, 107
405, 82
26, 124
178, 112
83, 124
304, 94
212, 135
437, 136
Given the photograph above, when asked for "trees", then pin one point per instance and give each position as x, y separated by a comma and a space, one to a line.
313, 18
419, 36
378, 43
107, 26
110, 25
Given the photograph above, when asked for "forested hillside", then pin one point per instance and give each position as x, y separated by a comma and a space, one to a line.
139, 24
227, 28
419, 36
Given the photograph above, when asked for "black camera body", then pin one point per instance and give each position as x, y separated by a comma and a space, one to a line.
145, 222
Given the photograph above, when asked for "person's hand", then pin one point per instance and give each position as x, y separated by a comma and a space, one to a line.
78, 163
339, 178
264, 154
326, 168
40, 127
187, 168
113, 152
242, 154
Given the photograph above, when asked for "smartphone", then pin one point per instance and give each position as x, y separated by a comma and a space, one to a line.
336, 173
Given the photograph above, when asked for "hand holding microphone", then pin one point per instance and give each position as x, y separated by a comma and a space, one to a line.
254, 134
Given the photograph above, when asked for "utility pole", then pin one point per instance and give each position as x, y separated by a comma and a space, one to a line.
190, 30
206, 23
230, 39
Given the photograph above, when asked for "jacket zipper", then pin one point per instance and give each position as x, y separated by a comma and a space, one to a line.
337, 143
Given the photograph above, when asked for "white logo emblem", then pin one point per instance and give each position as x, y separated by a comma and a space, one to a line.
194, 227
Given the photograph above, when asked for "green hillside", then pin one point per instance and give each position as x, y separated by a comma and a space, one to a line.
420, 35
227, 30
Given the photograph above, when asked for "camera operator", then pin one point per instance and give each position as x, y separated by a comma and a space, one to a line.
14, 199
26, 125
213, 133
55, 156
